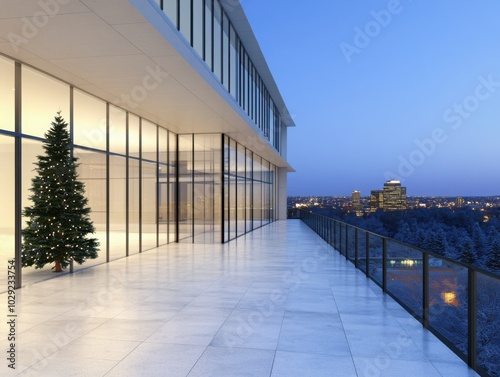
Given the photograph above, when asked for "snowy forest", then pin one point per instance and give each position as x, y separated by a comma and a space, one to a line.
460, 234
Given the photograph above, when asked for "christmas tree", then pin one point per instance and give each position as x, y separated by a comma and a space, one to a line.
58, 220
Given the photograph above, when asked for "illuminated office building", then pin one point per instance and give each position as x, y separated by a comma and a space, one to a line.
394, 196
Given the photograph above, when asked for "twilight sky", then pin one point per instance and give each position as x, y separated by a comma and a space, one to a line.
387, 89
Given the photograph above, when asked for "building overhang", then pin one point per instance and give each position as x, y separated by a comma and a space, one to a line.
128, 52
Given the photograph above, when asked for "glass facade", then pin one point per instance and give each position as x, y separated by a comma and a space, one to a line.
250, 194
207, 28
146, 186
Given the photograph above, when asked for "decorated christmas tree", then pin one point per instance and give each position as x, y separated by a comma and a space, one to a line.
58, 222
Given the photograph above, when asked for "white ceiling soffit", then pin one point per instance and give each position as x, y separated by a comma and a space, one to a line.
128, 53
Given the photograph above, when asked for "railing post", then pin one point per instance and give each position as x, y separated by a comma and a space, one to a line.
384, 264
346, 242
472, 325
367, 259
334, 234
340, 241
425, 291
356, 247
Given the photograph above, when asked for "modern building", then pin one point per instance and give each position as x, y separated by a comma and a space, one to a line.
394, 196
391, 198
356, 199
175, 117
459, 202
376, 200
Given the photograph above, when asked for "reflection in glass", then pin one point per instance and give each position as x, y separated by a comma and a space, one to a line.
449, 317
404, 275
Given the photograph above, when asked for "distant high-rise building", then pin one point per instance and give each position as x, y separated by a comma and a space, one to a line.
459, 202
376, 200
394, 196
356, 199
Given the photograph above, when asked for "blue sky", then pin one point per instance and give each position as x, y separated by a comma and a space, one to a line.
387, 89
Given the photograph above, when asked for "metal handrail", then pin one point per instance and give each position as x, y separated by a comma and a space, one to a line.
338, 237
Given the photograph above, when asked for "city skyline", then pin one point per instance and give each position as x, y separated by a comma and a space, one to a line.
387, 90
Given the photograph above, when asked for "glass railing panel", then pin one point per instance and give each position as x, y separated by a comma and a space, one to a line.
351, 243
337, 236
405, 275
375, 256
488, 324
362, 250
448, 302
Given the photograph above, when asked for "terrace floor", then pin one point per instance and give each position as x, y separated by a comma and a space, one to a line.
276, 302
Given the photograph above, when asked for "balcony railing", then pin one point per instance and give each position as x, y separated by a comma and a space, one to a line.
460, 304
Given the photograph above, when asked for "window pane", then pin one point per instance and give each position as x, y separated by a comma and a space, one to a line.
198, 26
117, 207
208, 33
163, 187
241, 189
185, 193
233, 225
185, 19
133, 136
7, 201
170, 9
149, 169
225, 51
134, 244
249, 197
92, 172
233, 63
31, 149
39, 108
7, 94
172, 186
217, 40
148, 205
89, 120
117, 130
207, 188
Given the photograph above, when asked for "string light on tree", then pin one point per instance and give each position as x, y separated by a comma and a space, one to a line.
56, 232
